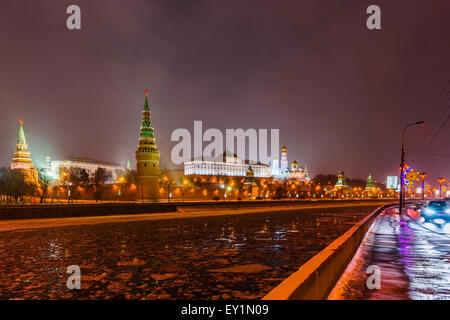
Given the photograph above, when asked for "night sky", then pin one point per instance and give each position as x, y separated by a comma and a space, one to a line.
339, 93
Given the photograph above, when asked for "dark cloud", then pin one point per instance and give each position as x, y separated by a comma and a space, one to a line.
339, 93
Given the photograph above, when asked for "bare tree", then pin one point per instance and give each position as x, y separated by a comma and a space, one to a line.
98, 179
17, 184
41, 182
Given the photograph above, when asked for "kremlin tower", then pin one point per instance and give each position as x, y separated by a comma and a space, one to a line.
147, 159
22, 158
370, 183
250, 184
371, 189
341, 183
284, 160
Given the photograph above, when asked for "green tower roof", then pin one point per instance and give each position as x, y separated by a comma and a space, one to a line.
370, 182
21, 138
146, 125
146, 105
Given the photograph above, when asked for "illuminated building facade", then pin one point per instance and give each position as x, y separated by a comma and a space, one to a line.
147, 159
280, 169
112, 169
298, 172
231, 165
22, 158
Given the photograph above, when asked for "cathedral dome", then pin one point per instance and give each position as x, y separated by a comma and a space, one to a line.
294, 165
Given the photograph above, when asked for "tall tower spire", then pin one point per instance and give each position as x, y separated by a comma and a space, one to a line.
146, 125
147, 158
284, 159
128, 163
22, 158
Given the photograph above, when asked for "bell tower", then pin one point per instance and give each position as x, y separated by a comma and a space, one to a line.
147, 159
284, 159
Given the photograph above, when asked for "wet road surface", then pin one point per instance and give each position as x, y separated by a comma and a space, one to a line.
413, 259
219, 257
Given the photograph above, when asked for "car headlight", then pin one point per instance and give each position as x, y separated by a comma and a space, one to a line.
428, 211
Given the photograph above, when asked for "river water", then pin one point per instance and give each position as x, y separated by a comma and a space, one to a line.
221, 257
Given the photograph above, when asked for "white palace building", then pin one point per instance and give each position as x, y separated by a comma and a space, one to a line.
230, 166
233, 166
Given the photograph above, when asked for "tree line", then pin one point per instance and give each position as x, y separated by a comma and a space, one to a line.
16, 184
331, 180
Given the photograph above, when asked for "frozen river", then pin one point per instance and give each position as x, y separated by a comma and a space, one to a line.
221, 257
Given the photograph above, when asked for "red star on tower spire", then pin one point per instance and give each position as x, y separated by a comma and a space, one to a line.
146, 92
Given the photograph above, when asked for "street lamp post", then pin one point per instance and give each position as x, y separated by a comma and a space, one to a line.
228, 193
168, 191
184, 186
423, 175
6, 189
310, 190
441, 181
121, 180
168, 188
402, 165
67, 185
57, 191
68, 192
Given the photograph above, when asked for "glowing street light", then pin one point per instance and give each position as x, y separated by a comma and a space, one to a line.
402, 164
423, 175
441, 181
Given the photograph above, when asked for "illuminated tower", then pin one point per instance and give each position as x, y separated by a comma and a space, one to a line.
250, 184
275, 167
341, 180
147, 159
128, 163
48, 161
305, 170
249, 176
284, 160
370, 183
22, 158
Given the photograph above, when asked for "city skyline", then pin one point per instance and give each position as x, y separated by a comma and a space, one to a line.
283, 78
123, 164
223, 158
